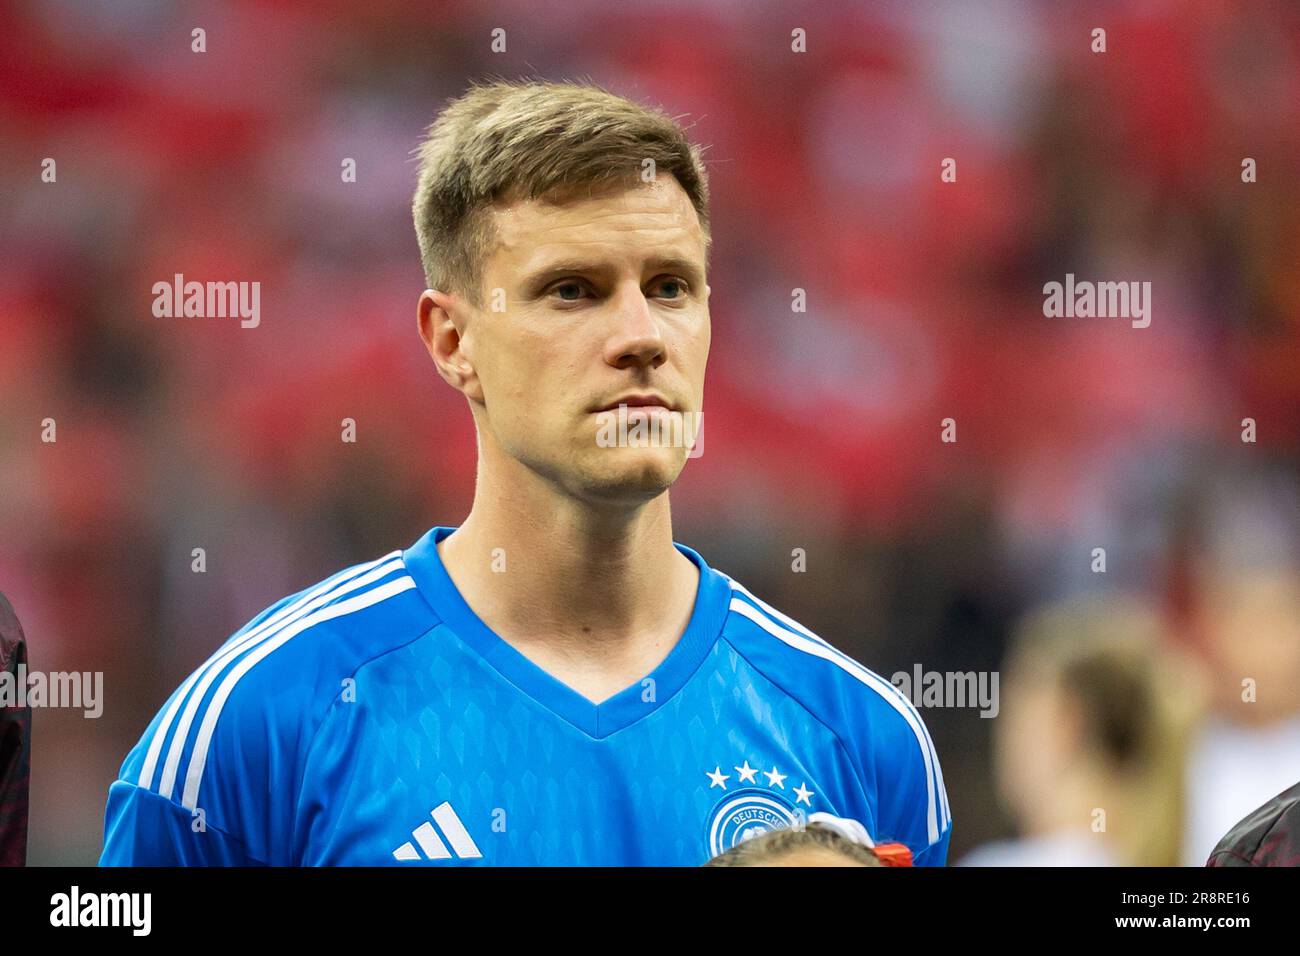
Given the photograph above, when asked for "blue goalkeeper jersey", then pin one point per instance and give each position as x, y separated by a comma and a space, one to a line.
375, 719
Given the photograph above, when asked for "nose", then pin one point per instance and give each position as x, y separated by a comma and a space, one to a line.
637, 338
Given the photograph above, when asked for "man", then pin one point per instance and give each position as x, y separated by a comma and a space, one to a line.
15, 740
1268, 837
555, 682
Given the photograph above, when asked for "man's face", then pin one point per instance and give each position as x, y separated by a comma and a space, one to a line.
604, 299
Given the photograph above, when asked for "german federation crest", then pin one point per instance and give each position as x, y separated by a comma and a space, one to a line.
755, 809
748, 813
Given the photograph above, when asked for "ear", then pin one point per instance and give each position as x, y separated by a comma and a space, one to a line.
441, 318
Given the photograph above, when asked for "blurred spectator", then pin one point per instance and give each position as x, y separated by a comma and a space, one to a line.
1244, 584
1091, 737
15, 741
1268, 837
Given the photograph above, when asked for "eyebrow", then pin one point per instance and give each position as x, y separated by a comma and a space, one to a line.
534, 280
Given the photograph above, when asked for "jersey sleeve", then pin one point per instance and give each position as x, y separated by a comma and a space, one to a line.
217, 777
936, 854
913, 804
210, 780
144, 829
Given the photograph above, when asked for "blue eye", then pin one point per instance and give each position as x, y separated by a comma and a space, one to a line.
568, 285
579, 288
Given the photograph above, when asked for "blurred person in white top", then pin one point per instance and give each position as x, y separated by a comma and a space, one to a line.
1245, 624
1090, 740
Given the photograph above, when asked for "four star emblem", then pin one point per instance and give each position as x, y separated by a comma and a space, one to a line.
748, 774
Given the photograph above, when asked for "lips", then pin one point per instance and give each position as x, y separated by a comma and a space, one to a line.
640, 400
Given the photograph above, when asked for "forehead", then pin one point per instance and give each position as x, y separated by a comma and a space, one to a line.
649, 219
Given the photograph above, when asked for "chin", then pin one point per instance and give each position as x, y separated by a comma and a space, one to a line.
636, 475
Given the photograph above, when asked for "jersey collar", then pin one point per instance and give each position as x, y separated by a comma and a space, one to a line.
597, 720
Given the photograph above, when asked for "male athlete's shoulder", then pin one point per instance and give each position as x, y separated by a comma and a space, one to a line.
227, 749
880, 730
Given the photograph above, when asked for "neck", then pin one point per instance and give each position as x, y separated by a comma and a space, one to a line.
598, 588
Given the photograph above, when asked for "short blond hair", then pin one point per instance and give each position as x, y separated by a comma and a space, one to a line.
503, 141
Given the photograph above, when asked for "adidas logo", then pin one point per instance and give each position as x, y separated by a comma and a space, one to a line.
462, 844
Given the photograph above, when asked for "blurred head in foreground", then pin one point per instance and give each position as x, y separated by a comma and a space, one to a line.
813, 845
1091, 741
